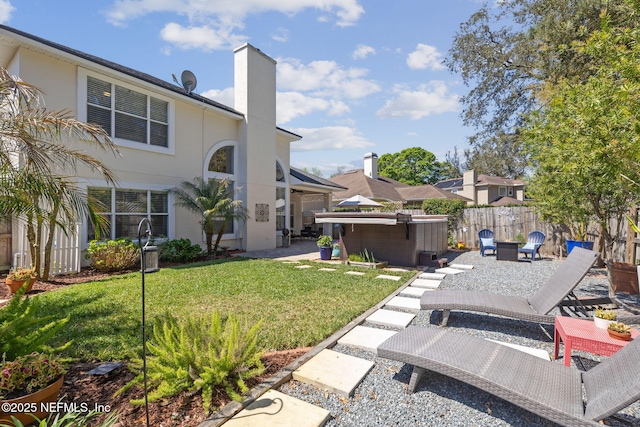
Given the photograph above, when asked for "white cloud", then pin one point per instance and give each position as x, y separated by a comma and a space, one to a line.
281, 35
427, 99
205, 37
5, 11
290, 105
224, 96
329, 138
223, 18
424, 57
325, 78
362, 51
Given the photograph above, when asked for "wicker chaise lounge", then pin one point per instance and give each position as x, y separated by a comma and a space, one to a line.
536, 308
548, 389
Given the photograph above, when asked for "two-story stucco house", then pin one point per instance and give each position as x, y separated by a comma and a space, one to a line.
485, 189
167, 135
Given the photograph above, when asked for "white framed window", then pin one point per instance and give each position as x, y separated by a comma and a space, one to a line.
125, 208
221, 164
510, 191
132, 116
502, 191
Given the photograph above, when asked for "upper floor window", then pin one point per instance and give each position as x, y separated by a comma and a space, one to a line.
222, 160
127, 114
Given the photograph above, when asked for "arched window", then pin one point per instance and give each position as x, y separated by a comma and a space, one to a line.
281, 198
221, 165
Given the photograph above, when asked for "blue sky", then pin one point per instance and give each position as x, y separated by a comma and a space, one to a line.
353, 76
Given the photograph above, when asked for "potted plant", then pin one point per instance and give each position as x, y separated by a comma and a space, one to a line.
17, 277
336, 250
619, 331
602, 318
26, 382
325, 243
579, 242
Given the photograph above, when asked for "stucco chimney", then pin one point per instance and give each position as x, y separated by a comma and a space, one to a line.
469, 180
371, 165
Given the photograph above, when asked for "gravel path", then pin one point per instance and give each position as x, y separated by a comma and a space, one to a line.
381, 400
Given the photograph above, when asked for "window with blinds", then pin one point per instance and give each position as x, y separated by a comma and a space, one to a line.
127, 114
124, 209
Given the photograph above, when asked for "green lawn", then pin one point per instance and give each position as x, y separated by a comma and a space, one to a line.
299, 307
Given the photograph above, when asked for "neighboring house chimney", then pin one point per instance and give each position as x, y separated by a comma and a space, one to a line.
371, 165
469, 180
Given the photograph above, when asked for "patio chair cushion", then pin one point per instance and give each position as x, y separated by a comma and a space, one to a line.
487, 242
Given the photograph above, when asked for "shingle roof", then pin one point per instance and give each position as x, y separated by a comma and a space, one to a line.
311, 178
385, 188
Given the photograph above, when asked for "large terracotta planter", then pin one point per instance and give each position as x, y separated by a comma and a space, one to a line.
33, 400
625, 278
14, 285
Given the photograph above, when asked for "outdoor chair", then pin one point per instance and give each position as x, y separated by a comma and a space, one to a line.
549, 389
536, 308
534, 241
485, 237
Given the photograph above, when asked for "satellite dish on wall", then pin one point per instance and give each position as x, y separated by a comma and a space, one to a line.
189, 81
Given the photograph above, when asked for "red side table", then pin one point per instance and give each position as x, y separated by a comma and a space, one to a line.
580, 334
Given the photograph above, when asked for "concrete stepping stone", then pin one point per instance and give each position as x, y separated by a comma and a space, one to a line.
426, 283
415, 292
326, 269
449, 270
461, 266
366, 338
433, 276
303, 266
291, 262
534, 351
355, 273
336, 372
391, 318
388, 277
397, 269
404, 303
275, 409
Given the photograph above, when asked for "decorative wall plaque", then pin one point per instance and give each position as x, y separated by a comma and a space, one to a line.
262, 212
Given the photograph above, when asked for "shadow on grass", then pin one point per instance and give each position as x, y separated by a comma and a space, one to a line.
96, 323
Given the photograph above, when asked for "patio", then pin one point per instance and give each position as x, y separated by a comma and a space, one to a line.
380, 399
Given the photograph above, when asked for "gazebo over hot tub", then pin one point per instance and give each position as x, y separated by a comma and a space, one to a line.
397, 238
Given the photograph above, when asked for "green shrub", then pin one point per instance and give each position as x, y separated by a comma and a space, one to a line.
113, 255
454, 208
199, 354
22, 329
179, 250
70, 419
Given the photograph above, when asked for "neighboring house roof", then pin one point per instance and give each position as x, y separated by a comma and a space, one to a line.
384, 189
422, 192
119, 68
497, 180
309, 178
449, 183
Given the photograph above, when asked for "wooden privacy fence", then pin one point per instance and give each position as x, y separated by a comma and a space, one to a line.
508, 222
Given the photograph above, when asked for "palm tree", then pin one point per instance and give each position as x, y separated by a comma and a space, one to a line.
213, 199
38, 162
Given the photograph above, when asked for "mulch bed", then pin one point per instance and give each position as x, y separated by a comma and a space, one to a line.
184, 410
